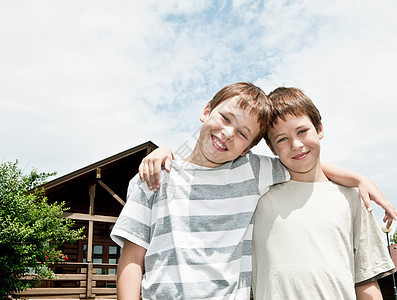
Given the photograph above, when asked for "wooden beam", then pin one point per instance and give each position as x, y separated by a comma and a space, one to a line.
52, 291
92, 199
64, 179
79, 277
60, 277
148, 150
104, 277
87, 217
90, 240
98, 173
109, 190
104, 291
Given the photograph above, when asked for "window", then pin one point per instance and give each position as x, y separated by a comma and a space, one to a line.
104, 253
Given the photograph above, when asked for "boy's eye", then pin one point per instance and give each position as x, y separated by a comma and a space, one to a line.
282, 140
243, 135
225, 118
302, 131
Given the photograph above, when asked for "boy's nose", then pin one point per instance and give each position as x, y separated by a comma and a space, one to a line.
296, 144
228, 132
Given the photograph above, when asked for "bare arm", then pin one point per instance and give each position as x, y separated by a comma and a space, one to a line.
367, 189
130, 271
150, 167
369, 291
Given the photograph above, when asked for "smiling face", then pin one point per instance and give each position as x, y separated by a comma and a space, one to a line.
297, 143
227, 132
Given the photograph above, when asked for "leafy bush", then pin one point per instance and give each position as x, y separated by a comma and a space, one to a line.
31, 230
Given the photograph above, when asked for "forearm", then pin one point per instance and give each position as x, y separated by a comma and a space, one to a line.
342, 176
370, 291
129, 277
367, 189
130, 271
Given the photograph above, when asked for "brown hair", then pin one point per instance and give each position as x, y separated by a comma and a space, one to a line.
292, 101
251, 98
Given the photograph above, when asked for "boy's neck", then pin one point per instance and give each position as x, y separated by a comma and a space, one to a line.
197, 158
314, 175
199, 162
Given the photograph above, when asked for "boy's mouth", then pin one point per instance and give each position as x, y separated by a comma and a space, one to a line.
302, 155
218, 144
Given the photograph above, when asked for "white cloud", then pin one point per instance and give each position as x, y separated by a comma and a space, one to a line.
81, 81
342, 55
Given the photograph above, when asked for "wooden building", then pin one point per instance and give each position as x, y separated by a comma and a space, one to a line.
388, 284
95, 195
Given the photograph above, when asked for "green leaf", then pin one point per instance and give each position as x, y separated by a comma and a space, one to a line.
31, 229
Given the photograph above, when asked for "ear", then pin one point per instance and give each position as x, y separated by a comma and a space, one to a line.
320, 131
205, 114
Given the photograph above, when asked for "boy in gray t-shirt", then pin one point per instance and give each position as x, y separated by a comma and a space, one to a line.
298, 251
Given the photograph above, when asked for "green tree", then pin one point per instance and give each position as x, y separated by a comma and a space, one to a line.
31, 230
393, 237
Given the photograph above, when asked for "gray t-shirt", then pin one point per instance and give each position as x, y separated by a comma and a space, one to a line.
314, 241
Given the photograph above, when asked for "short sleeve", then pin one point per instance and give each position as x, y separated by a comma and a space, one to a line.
370, 250
270, 171
134, 222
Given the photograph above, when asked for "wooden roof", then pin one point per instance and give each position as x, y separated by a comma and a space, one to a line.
123, 164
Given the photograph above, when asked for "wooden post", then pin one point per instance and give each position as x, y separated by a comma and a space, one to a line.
92, 198
89, 280
98, 173
91, 223
90, 240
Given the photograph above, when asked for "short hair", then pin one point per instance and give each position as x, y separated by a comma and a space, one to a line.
251, 98
291, 101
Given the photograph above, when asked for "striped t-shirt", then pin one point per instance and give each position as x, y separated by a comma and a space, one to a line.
197, 228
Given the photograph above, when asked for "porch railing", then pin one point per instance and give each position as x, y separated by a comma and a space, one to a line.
84, 283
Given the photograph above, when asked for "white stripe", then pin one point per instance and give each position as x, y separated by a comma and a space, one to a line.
246, 263
135, 188
210, 178
213, 177
237, 175
192, 240
265, 174
160, 243
119, 237
215, 207
197, 175
195, 273
240, 295
137, 211
214, 239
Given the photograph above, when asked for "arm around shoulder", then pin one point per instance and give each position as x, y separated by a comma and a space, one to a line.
367, 189
130, 271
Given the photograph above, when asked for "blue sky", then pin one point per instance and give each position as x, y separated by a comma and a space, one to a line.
83, 80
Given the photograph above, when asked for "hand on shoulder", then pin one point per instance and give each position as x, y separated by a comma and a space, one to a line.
150, 167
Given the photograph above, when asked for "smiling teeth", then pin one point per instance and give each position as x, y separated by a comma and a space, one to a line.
219, 144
